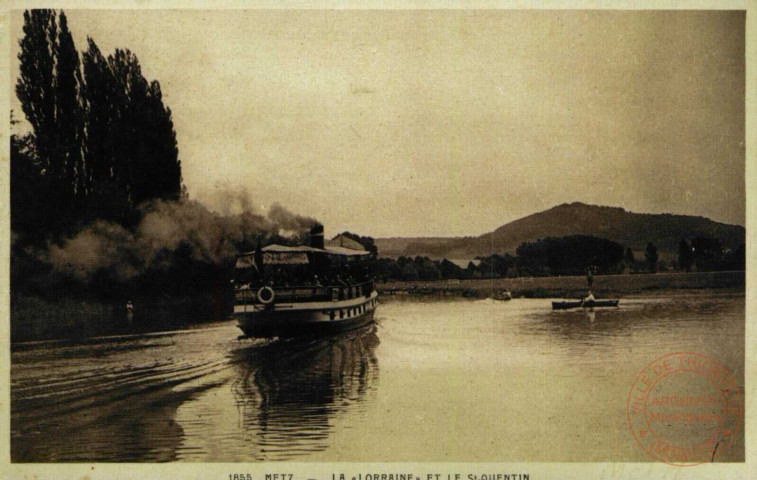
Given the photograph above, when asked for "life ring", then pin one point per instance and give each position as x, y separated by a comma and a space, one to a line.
266, 298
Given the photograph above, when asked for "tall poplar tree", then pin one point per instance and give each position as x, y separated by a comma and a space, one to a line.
101, 149
103, 140
69, 115
49, 91
35, 86
164, 152
147, 165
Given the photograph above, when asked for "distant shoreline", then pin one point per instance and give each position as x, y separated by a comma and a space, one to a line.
604, 286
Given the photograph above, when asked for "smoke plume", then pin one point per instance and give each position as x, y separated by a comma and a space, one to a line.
167, 226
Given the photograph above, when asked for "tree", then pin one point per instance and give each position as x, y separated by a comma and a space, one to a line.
35, 88
29, 211
650, 254
628, 258
735, 259
496, 266
49, 91
146, 164
101, 111
569, 255
427, 269
132, 154
69, 115
707, 253
685, 255
450, 270
472, 271
161, 145
409, 272
103, 141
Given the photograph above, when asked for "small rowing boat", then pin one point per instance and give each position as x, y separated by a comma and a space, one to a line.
584, 304
503, 296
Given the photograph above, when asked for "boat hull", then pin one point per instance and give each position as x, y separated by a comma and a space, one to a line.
294, 320
582, 304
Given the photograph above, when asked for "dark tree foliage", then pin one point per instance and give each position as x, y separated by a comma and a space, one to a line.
162, 149
472, 271
131, 148
383, 269
146, 162
735, 259
685, 255
707, 253
103, 140
496, 266
570, 255
629, 258
427, 269
35, 86
101, 143
69, 116
651, 256
49, 91
31, 215
450, 270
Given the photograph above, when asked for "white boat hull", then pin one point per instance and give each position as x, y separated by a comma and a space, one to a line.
305, 318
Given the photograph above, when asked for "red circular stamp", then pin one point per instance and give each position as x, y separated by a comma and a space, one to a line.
684, 409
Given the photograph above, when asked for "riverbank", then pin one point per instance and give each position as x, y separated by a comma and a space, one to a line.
36, 318
571, 287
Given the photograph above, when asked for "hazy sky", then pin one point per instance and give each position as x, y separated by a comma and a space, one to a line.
412, 123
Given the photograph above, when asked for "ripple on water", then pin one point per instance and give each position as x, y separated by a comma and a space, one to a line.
502, 375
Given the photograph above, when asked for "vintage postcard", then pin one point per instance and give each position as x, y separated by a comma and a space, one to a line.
326, 242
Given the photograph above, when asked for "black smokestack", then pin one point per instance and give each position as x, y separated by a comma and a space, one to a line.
316, 236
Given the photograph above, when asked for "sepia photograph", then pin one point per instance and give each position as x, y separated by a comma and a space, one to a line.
468, 236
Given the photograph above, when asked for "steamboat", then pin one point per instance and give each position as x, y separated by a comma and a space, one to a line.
290, 291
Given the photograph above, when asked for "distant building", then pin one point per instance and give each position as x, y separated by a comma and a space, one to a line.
345, 242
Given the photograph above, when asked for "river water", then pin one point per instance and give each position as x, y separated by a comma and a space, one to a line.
441, 380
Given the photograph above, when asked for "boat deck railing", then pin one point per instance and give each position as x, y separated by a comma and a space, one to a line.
309, 293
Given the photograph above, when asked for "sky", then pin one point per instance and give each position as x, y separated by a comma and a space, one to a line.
445, 122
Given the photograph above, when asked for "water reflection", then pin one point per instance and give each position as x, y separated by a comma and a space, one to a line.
111, 398
635, 316
199, 394
287, 393
118, 430
580, 334
581, 326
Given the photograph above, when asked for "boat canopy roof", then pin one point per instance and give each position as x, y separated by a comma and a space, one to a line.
282, 254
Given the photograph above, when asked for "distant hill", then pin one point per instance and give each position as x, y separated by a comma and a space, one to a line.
630, 229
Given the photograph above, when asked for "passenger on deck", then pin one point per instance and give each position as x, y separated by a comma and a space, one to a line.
589, 297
